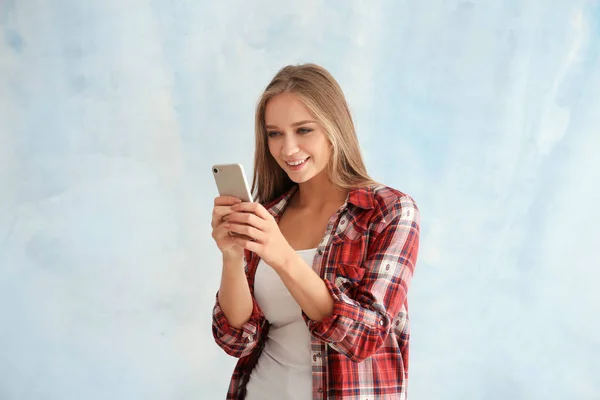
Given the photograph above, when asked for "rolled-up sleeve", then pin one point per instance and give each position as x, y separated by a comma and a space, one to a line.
237, 342
360, 324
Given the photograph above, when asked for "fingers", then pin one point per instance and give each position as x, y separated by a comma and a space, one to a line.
222, 231
246, 225
221, 208
246, 218
252, 207
218, 213
221, 211
247, 230
226, 201
247, 244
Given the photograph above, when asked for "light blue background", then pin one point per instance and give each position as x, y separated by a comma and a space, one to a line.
112, 112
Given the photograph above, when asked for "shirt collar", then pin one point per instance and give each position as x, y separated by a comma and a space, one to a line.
362, 197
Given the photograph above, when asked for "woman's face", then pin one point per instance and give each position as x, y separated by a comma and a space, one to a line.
296, 140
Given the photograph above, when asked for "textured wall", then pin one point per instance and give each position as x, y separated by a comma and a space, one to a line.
112, 112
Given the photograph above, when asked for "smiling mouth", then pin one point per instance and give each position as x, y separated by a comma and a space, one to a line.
297, 163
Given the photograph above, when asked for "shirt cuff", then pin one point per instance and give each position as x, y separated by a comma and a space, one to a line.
247, 332
347, 314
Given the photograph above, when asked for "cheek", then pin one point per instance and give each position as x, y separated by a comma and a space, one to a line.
324, 152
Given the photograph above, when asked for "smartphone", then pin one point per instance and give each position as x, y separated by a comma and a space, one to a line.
231, 181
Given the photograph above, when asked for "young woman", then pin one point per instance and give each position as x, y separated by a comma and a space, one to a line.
314, 282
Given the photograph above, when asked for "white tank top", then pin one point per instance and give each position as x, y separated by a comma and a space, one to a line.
284, 369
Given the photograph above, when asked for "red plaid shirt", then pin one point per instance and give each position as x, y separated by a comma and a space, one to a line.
366, 258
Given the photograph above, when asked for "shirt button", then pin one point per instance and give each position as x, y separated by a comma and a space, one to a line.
343, 221
249, 339
381, 322
315, 358
320, 252
320, 390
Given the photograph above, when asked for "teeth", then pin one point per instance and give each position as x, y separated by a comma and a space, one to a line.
297, 162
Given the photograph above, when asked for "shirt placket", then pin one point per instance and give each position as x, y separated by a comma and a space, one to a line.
319, 370
318, 348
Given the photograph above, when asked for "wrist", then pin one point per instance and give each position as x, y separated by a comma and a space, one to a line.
286, 264
233, 260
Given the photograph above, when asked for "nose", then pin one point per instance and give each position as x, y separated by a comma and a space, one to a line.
289, 146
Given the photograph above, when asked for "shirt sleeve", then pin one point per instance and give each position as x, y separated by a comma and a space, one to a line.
360, 324
237, 342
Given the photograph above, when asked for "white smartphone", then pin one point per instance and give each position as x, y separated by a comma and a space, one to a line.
231, 181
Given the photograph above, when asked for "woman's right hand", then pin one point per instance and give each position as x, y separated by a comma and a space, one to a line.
221, 235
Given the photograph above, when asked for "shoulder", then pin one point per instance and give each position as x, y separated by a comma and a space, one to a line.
377, 207
390, 203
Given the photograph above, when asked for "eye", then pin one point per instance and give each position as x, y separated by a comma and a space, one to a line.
272, 134
304, 131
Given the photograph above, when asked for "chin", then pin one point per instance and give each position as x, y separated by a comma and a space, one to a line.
300, 178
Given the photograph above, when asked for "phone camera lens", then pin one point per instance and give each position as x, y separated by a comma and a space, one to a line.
215, 170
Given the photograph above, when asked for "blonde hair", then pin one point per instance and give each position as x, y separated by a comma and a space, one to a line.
323, 97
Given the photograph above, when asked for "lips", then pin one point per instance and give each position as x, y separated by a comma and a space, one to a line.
297, 163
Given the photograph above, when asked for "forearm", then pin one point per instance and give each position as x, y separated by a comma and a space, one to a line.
234, 294
307, 288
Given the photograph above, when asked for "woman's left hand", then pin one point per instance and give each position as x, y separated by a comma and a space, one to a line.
253, 220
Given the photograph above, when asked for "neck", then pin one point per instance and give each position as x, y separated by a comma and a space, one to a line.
318, 192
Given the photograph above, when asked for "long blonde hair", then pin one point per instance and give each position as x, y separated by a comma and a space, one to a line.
323, 97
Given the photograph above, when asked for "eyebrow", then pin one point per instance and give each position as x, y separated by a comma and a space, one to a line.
306, 121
